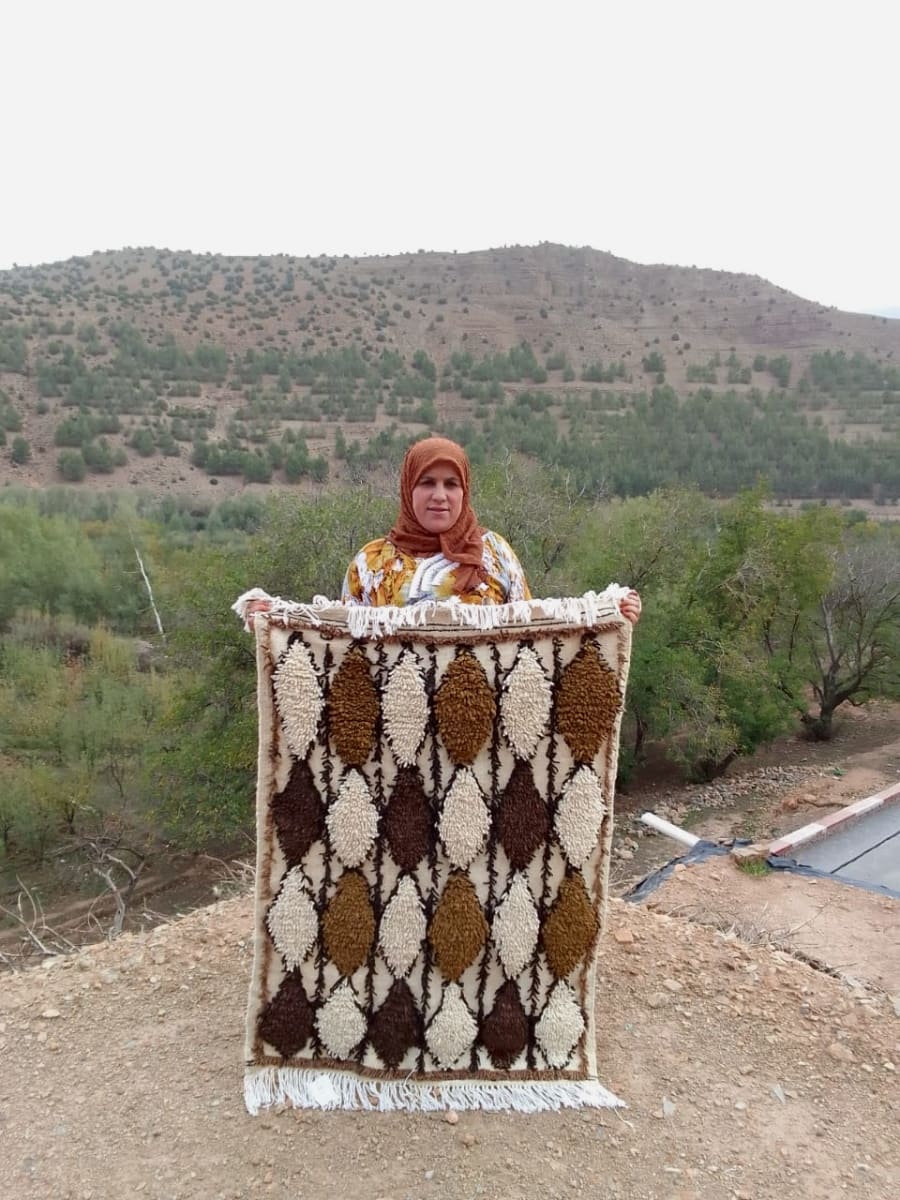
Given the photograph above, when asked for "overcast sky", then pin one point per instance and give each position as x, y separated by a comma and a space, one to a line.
758, 137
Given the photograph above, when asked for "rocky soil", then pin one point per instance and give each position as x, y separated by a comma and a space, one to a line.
747, 1075
751, 1066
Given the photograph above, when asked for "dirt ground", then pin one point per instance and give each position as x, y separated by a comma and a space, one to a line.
750, 1067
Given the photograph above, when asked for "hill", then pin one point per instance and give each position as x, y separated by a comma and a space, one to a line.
167, 370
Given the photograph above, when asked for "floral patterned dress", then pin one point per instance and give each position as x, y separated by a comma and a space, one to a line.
380, 574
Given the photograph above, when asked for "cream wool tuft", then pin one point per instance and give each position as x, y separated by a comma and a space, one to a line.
299, 698
579, 814
403, 928
525, 703
453, 1030
465, 819
293, 921
405, 709
560, 1026
516, 927
352, 821
340, 1022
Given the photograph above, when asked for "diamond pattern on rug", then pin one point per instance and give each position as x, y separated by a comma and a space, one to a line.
352, 820
397, 1026
458, 930
348, 925
340, 1023
452, 1030
465, 821
403, 927
504, 1031
579, 815
522, 820
587, 703
465, 708
435, 815
287, 1022
516, 927
405, 708
353, 709
571, 926
298, 697
560, 1026
526, 703
407, 820
293, 921
299, 814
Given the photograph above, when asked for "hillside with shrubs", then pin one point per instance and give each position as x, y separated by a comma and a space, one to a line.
183, 373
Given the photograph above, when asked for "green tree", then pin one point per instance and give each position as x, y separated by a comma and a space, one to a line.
205, 780
20, 451
46, 563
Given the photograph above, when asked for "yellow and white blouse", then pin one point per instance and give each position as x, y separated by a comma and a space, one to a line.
380, 574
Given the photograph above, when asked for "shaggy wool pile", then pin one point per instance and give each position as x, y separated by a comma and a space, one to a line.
435, 806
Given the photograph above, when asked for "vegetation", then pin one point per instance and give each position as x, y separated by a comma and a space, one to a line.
616, 432
289, 372
755, 623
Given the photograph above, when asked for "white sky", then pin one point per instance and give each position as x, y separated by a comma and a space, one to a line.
758, 137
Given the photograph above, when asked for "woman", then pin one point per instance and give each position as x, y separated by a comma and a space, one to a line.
436, 549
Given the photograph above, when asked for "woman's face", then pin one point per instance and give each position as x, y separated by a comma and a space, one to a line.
437, 498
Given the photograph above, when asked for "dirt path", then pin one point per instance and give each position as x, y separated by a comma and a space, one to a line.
747, 1074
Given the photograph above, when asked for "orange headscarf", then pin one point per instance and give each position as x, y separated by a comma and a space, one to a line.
462, 543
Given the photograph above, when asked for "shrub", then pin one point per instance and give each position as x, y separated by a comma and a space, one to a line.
71, 466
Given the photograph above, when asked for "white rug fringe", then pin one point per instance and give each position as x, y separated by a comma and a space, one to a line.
267, 1087
370, 621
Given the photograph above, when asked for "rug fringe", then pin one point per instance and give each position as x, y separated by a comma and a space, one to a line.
267, 1087
372, 621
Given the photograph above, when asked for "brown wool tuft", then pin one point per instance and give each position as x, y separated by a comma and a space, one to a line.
407, 820
504, 1032
570, 928
353, 709
522, 821
587, 703
465, 707
299, 814
397, 1026
287, 1021
458, 930
348, 925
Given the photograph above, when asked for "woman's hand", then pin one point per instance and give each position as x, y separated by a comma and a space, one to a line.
630, 607
254, 607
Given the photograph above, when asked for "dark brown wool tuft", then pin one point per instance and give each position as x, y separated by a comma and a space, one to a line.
504, 1031
407, 820
299, 814
522, 821
287, 1021
397, 1026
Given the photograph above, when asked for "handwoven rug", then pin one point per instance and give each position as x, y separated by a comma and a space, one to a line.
434, 819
